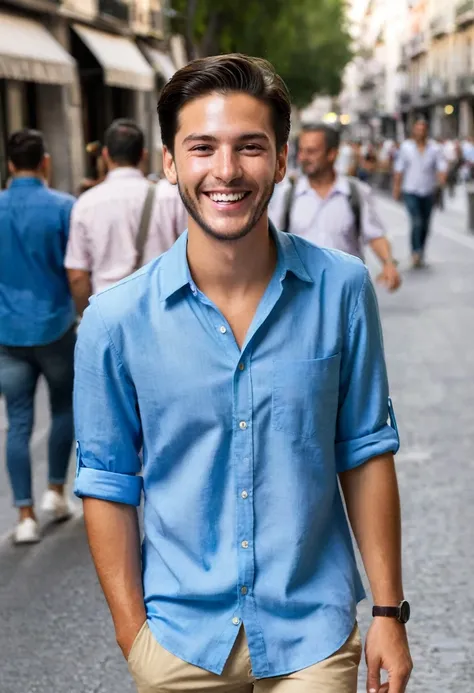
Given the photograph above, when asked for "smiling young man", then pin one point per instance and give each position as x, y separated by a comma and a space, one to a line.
248, 366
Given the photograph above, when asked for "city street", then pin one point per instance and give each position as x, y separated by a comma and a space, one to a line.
56, 634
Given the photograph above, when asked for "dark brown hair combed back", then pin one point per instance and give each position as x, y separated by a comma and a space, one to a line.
225, 74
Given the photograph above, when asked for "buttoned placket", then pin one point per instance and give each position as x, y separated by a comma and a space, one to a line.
242, 455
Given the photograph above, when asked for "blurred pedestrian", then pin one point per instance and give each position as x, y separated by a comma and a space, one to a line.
367, 163
37, 334
453, 154
248, 364
331, 210
123, 222
345, 160
419, 170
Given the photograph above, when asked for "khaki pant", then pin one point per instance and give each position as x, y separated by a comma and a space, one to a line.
155, 670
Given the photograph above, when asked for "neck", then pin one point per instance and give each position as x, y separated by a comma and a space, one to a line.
231, 267
322, 178
114, 167
29, 174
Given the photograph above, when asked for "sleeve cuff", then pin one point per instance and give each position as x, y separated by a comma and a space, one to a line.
352, 453
109, 486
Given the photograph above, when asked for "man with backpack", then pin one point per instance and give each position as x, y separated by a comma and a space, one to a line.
330, 210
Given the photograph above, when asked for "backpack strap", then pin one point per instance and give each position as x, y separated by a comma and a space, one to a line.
355, 203
144, 224
289, 198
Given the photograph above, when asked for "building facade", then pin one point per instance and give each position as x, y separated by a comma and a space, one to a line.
413, 58
69, 67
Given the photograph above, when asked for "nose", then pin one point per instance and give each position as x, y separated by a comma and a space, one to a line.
227, 166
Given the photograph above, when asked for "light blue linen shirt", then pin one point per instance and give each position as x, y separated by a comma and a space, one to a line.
243, 517
420, 169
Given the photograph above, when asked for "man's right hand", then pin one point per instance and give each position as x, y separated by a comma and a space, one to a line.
127, 636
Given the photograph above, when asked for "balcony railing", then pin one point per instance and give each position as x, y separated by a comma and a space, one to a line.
465, 12
417, 45
116, 9
439, 26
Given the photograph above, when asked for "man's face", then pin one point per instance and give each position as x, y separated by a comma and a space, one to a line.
225, 162
420, 130
313, 155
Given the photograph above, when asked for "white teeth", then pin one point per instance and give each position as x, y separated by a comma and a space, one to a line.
222, 197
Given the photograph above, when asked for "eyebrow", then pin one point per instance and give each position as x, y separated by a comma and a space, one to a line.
197, 137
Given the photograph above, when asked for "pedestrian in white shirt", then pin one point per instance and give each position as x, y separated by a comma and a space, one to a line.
122, 223
420, 169
331, 210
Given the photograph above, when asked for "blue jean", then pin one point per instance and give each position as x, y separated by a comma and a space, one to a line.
419, 208
20, 368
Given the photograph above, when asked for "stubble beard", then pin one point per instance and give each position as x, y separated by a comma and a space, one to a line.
258, 211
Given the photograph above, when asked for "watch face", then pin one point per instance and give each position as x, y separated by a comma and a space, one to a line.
404, 612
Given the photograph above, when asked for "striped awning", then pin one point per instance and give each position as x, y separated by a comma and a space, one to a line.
28, 52
120, 58
161, 62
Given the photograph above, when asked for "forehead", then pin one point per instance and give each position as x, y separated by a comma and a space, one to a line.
224, 115
312, 139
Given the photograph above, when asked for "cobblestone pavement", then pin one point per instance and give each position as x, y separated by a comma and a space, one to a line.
55, 633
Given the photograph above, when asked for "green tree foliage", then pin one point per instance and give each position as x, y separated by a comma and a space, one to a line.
306, 40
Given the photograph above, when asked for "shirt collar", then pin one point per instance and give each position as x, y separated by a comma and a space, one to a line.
124, 172
26, 181
341, 185
175, 273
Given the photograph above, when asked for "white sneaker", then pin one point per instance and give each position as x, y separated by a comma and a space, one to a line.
57, 506
27, 532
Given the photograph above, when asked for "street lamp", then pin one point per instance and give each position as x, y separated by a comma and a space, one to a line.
330, 117
345, 119
449, 109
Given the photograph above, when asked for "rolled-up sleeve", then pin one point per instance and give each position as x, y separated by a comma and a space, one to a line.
441, 162
106, 415
400, 161
363, 431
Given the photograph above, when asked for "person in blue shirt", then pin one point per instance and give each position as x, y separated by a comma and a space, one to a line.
232, 382
37, 325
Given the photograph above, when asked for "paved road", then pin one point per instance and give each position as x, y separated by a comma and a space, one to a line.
55, 634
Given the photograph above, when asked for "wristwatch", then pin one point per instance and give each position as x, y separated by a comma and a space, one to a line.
400, 612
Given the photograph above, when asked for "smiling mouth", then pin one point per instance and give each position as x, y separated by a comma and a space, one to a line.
227, 198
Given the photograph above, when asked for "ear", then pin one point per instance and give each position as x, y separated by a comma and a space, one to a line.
46, 168
169, 166
105, 155
281, 162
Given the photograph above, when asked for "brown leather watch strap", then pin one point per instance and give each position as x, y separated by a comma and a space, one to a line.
388, 611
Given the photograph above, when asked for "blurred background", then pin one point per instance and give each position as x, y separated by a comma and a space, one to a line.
370, 68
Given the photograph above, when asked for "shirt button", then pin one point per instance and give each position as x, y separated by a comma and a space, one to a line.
243, 590
241, 366
243, 425
245, 544
236, 621
222, 329
244, 494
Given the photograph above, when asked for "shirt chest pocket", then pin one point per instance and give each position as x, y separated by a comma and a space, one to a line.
305, 396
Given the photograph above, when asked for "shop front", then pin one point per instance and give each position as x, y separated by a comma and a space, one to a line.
37, 76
